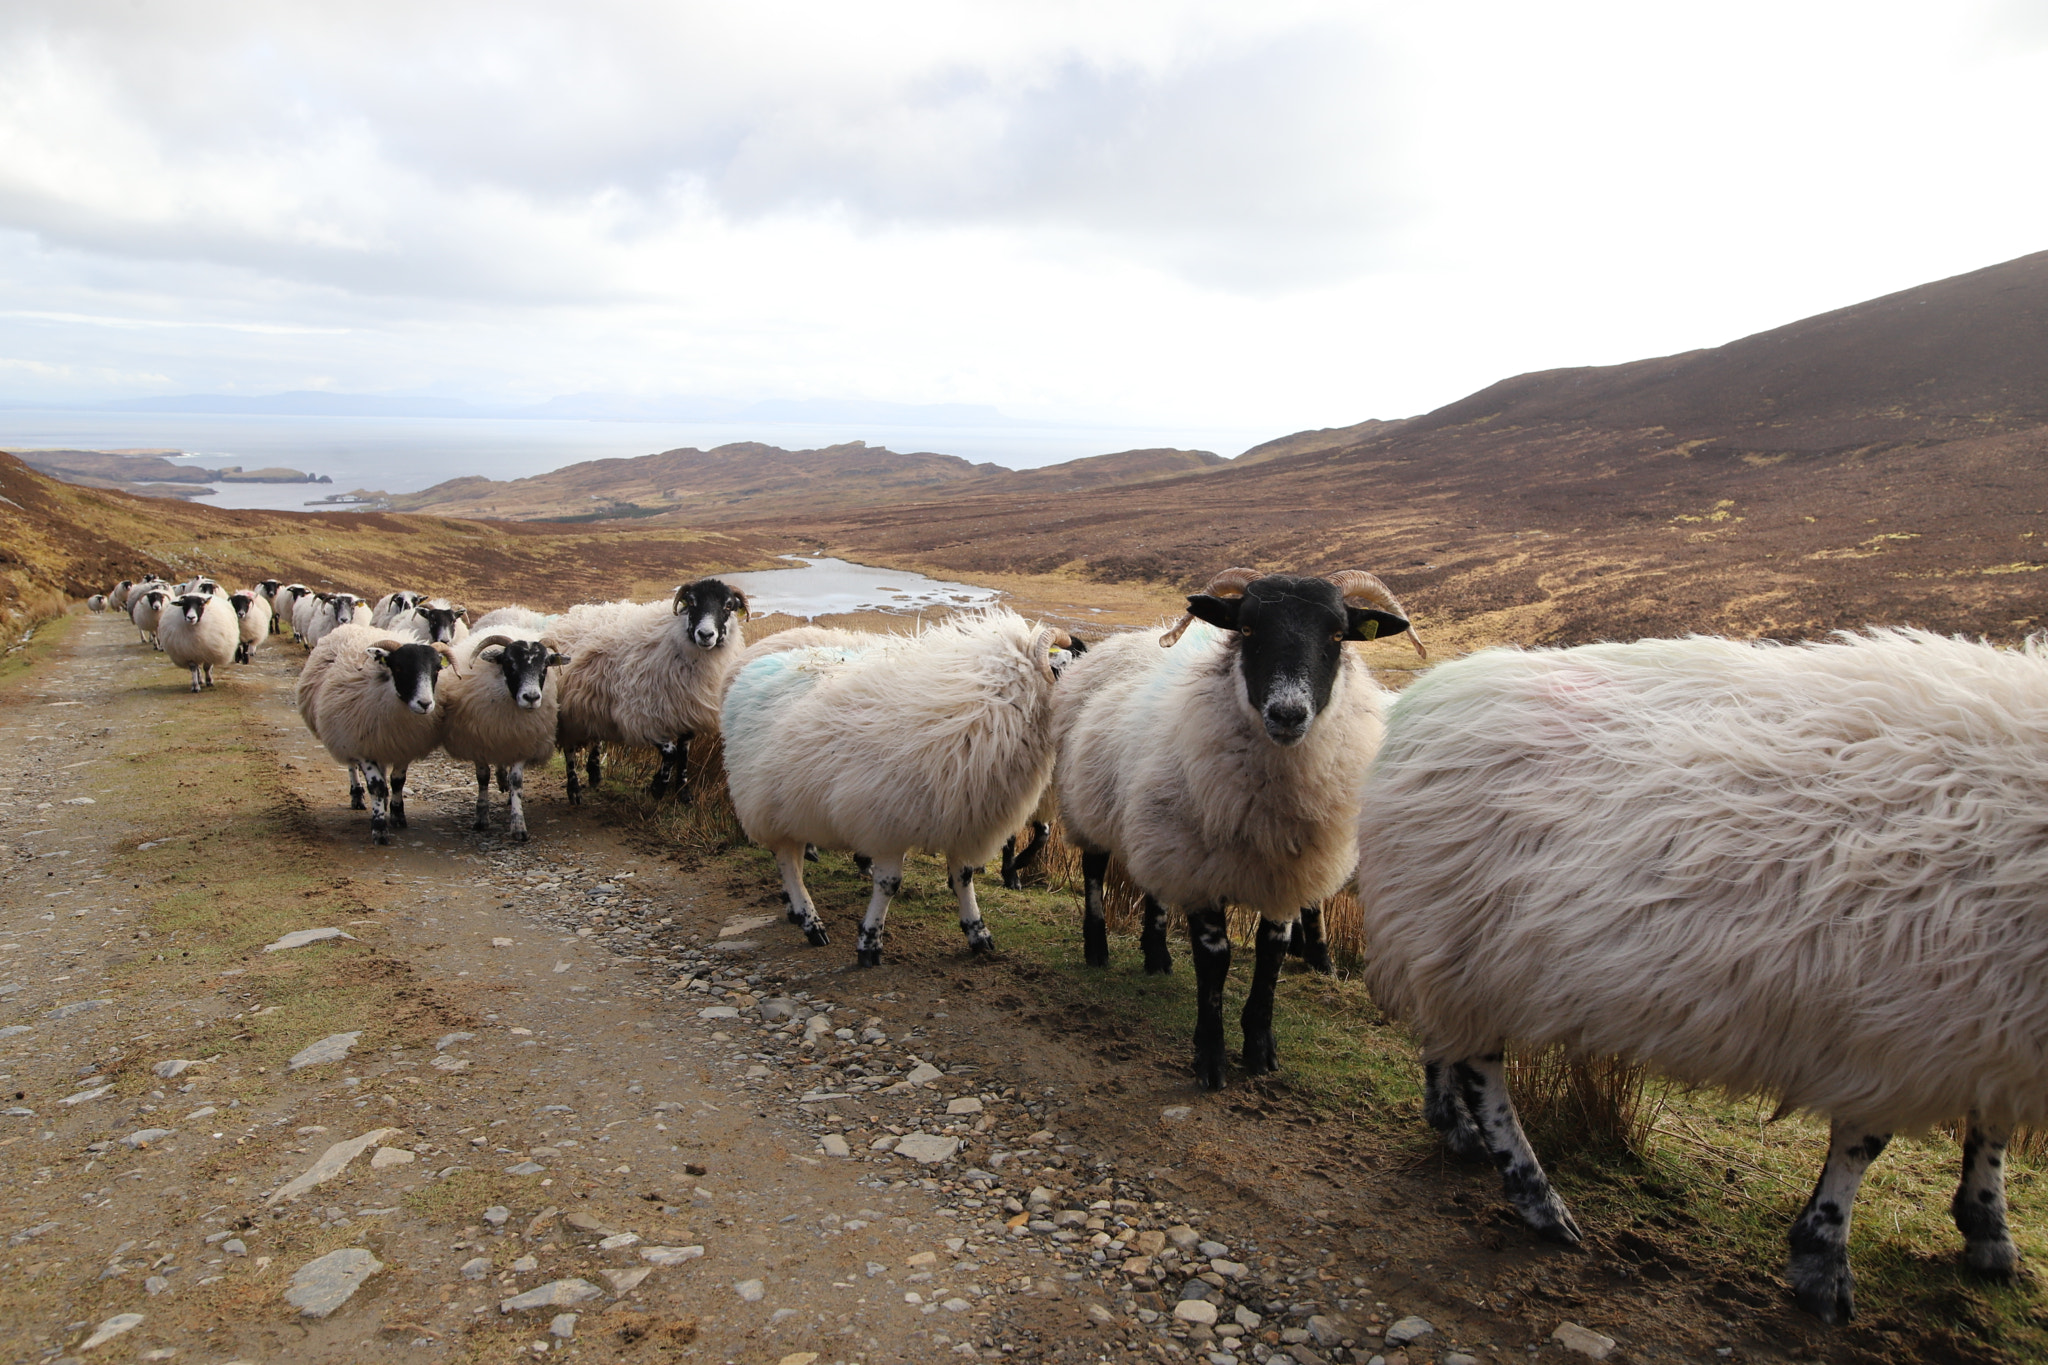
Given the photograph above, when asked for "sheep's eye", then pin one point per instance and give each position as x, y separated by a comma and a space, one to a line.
1338, 636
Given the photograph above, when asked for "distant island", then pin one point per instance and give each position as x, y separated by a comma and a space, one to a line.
150, 472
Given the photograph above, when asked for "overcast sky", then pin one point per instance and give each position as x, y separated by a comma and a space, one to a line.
1270, 216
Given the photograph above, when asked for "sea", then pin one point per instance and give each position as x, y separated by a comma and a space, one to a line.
406, 454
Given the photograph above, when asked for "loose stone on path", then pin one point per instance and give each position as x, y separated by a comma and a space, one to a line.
299, 938
326, 1283
332, 1048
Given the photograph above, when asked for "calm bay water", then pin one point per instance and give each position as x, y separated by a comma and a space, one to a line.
825, 587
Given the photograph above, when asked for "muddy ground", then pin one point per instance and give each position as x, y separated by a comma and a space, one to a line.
585, 1068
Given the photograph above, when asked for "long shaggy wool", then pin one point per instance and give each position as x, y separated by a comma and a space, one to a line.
484, 723
883, 743
1163, 762
209, 640
347, 701
254, 628
638, 678
1813, 872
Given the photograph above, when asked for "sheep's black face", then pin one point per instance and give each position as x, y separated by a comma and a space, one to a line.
524, 665
440, 623
711, 610
268, 587
241, 602
412, 670
193, 605
1292, 633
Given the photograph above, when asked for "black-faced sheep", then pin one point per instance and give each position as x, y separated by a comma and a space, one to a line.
438, 622
117, 596
648, 674
394, 604
326, 612
197, 631
96, 603
253, 621
501, 701
369, 699
1811, 873
884, 743
1224, 770
284, 608
145, 609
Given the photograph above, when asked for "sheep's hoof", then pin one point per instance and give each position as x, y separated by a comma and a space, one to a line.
1095, 944
480, 823
1824, 1285
1997, 1259
1159, 966
1209, 1071
1318, 960
1463, 1141
378, 836
1553, 1222
867, 957
356, 802
520, 836
983, 942
816, 936
1012, 881
810, 853
1260, 1054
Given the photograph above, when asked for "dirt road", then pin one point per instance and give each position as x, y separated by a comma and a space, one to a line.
577, 1099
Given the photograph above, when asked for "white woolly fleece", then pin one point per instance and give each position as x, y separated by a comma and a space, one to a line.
210, 640
485, 724
638, 678
1813, 872
346, 699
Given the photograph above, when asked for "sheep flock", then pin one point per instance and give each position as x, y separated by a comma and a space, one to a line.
1810, 873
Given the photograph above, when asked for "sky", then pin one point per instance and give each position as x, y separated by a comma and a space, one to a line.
1276, 216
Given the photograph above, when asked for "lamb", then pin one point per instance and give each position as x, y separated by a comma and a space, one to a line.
391, 604
502, 709
647, 674
369, 699
145, 609
252, 610
1225, 770
1809, 872
197, 630
436, 622
881, 744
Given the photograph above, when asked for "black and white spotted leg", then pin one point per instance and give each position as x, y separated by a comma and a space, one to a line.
398, 795
1014, 862
674, 773
569, 767
380, 803
355, 787
483, 797
789, 860
1819, 1268
863, 864
516, 775
1979, 1205
209, 675
961, 880
888, 875
195, 677
1482, 1085
1447, 1114
1158, 956
1094, 925
1209, 944
1261, 1054
1309, 944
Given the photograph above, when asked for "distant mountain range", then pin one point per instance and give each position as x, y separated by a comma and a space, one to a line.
619, 407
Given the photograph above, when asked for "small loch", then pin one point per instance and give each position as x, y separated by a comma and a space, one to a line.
830, 587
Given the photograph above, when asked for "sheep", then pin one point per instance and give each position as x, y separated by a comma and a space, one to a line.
197, 630
117, 596
252, 610
648, 673
1808, 872
501, 706
329, 611
392, 604
436, 622
1225, 770
511, 618
284, 606
268, 590
881, 744
305, 607
369, 699
145, 609
96, 603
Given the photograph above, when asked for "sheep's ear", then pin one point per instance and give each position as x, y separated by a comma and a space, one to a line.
491, 654
377, 653
1367, 624
557, 660
1220, 612
1076, 646
737, 604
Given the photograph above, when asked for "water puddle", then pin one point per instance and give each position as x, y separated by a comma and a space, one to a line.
830, 587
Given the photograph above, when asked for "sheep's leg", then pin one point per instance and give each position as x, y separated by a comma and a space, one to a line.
595, 767
1979, 1207
569, 766
979, 940
1158, 956
380, 798
674, 770
1260, 1053
483, 797
195, 678
505, 780
355, 787
1209, 942
888, 874
1447, 1114
1015, 862
1819, 1268
1309, 945
1010, 877
863, 863
802, 913
1482, 1085
398, 796
516, 775
1094, 924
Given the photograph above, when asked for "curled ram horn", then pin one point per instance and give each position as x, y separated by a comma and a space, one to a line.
477, 647
675, 604
1362, 589
446, 652
1229, 583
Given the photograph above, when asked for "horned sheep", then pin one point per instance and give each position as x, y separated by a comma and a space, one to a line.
1805, 872
436, 622
197, 631
391, 604
648, 674
368, 697
1224, 770
502, 701
881, 744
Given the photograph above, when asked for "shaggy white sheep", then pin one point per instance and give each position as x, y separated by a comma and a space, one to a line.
284, 607
117, 596
145, 609
437, 622
648, 674
253, 621
1812, 873
197, 631
393, 604
327, 612
1224, 770
96, 603
502, 703
883, 743
369, 699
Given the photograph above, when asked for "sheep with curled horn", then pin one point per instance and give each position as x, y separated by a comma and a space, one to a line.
1221, 764
502, 701
369, 698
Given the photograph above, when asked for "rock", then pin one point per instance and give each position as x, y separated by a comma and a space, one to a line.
501, 943
526, 1263
966, 1104
619, 1241
1229, 1270
386, 1157
1212, 1249
885, 1143
332, 1048
1199, 1311
750, 1291
1070, 1218
235, 1246
1183, 1236
1197, 1289
924, 1073
835, 1145
76, 1007
799, 1358
448, 1040
331, 1163
1584, 1340
142, 1137
553, 1294
718, 1012
111, 1328
82, 1096
563, 1326
1137, 1265
1401, 1333
1246, 1318
587, 1222
956, 1305
13, 1030
497, 1215
928, 1148
540, 1221
173, 1068
325, 1283
778, 1008
666, 1256
155, 1285
526, 1168
1176, 1113
204, 1111
1150, 1242
444, 1063
476, 1268
625, 1281
299, 938
1458, 1358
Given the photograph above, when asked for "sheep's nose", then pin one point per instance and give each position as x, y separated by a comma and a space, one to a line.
1286, 722
706, 638
529, 699
422, 706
